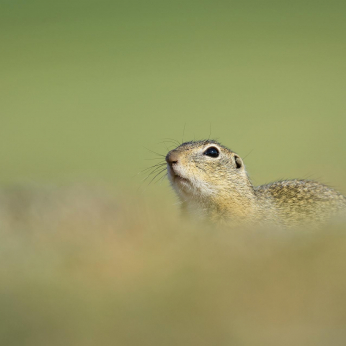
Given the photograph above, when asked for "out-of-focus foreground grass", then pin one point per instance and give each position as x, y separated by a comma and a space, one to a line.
82, 267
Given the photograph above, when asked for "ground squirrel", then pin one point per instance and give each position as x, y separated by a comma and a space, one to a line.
212, 183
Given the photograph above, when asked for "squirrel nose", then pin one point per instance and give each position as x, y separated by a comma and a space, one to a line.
172, 158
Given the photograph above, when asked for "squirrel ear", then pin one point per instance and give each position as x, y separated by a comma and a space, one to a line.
238, 162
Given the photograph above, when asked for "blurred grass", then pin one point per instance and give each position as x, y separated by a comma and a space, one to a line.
85, 87
79, 268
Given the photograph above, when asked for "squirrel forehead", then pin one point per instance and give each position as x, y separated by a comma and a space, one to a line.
201, 145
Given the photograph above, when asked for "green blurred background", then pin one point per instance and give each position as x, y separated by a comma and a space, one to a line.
87, 85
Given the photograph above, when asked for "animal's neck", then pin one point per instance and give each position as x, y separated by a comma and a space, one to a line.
233, 205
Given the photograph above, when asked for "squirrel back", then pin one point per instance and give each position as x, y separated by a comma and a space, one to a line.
302, 201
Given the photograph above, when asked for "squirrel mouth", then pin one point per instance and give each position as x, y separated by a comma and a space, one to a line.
176, 177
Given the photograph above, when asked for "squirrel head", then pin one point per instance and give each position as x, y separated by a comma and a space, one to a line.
206, 169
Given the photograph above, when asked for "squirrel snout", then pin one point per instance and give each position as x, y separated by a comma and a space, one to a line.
172, 158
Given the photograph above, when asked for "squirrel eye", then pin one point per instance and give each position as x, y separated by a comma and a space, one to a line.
212, 152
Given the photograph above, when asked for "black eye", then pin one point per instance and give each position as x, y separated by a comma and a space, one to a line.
212, 152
